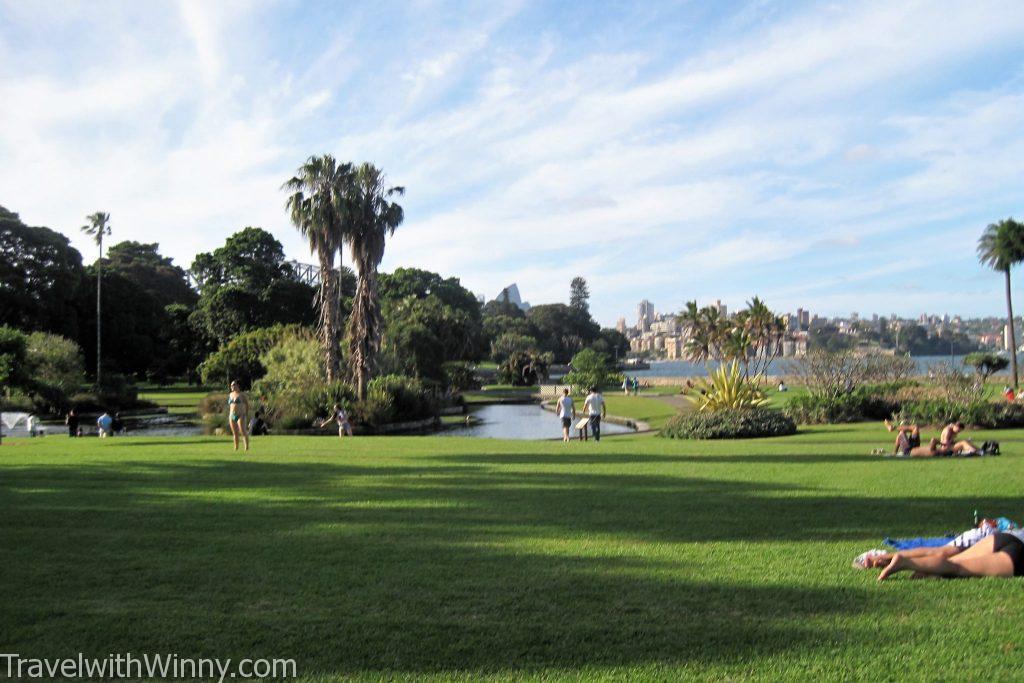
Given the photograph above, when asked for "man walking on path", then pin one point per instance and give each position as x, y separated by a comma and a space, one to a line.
566, 411
595, 409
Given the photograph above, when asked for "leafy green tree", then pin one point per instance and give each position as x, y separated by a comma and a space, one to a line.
41, 278
318, 210
247, 284
579, 295
612, 343
373, 218
55, 361
1000, 248
509, 343
240, 358
421, 334
590, 369
14, 370
185, 347
98, 227
986, 364
251, 258
562, 330
152, 272
134, 325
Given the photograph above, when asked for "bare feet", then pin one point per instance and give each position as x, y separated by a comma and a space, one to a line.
895, 565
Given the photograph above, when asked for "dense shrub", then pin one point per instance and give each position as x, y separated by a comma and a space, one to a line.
990, 414
55, 361
378, 408
410, 400
729, 424
863, 403
461, 375
240, 358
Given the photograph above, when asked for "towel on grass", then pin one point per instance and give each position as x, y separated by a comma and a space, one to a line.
919, 542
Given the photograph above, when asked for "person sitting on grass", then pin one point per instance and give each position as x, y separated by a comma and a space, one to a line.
908, 442
998, 555
908, 438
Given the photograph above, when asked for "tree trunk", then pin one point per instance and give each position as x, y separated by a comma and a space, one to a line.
328, 318
1013, 337
99, 309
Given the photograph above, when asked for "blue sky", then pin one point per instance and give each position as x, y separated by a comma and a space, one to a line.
837, 156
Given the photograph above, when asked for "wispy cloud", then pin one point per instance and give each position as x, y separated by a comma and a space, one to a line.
811, 153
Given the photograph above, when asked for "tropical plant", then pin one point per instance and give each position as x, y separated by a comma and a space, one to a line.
726, 388
98, 227
317, 209
524, 368
372, 217
1000, 248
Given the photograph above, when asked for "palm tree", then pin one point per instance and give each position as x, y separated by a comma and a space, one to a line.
372, 218
1000, 248
316, 207
97, 227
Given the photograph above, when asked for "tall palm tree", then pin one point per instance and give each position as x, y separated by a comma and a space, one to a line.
1000, 248
98, 227
316, 208
372, 218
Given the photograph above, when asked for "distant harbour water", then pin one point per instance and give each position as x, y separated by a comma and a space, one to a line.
683, 368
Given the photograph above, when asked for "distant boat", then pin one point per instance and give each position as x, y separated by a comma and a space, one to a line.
634, 364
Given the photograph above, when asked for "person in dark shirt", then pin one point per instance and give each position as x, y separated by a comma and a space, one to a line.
72, 422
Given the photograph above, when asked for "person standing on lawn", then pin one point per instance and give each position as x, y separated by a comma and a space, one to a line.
596, 410
238, 414
567, 413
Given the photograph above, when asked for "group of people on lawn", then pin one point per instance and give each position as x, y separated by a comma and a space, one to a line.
908, 441
986, 550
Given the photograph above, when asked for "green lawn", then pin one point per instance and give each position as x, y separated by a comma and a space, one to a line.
647, 409
430, 557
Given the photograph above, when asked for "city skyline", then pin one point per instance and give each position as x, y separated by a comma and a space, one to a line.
843, 155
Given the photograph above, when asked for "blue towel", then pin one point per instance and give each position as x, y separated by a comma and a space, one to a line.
920, 542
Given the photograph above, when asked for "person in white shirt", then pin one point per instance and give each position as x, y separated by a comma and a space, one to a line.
595, 408
566, 411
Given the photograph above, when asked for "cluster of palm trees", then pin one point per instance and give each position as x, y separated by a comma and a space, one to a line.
333, 204
1001, 247
752, 337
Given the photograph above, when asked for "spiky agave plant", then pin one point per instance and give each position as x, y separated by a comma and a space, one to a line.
726, 388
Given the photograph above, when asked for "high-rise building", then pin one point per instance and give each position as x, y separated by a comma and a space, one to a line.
621, 326
722, 310
644, 315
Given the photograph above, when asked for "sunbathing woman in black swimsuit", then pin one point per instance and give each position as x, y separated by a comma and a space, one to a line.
1001, 554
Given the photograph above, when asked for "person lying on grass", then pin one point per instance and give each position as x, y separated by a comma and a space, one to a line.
998, 555
908, 441
877, 559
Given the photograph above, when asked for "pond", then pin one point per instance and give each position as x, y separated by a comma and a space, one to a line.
520, 421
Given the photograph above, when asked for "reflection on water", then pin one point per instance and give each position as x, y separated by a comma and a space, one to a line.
528, 421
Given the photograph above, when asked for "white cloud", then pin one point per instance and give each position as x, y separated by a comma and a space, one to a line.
750, 164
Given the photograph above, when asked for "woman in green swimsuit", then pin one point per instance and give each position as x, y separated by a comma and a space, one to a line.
238, 414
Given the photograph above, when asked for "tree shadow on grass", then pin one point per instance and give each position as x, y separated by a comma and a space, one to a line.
422, 569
